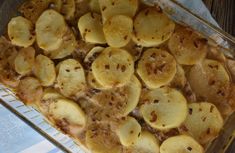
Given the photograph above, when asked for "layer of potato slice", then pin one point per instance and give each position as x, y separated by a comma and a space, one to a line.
156, 68
93, 83
118, 7
113, 67
69, 111
146, 143
210, 82
100, 139
44, 70
117, 30
181, 144
203, 122
187, 46
152, 27
24, 60
128, 131
20, 31
163, 108
30, 91
50, 28
92, 54
67, 47
91, 28
71, 78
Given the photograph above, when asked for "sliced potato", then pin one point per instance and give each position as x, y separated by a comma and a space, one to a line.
163, 108
50, 28
44, 70
117, 30
95, 6
91, 28
181, 144
64, 109
93, 83
113, 67
118, 102
67, 47
133, 90
24, 60
187, 46
210, 82
68, 9
71, 78
180, 80
51, 93
30, 91
128, 131
20, 31
203, 122
148, 33
100, 139
156, 68
92, 54
118, 7
146, 143
33, 9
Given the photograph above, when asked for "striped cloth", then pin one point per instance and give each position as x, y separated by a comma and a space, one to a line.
17, 137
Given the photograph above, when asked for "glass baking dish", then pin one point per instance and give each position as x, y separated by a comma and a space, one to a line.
225, 143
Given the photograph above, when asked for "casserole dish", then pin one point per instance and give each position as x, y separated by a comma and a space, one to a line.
177, 13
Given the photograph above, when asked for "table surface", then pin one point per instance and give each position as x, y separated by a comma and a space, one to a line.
224, 13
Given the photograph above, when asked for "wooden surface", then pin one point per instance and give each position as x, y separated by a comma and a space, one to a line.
224, 13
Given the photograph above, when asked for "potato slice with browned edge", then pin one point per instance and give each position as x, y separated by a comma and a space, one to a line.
30, 91
24, 60
146, 143
50, 28
210, 82
156, 68
163, 108
203, 122
181, 144
66, 113
71, 79
113, 67
187, 46
100, 139
117, 30
32, 9
118, 7
91, 28
92, 54
128, 131
44, 70
67, 47
20, 31
93, 83
152, 28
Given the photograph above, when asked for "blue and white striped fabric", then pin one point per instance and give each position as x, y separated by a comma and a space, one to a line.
17, 137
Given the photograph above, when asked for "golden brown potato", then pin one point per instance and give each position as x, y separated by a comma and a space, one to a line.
187, 46
30, 91
24, 60
203, 122
44, 70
